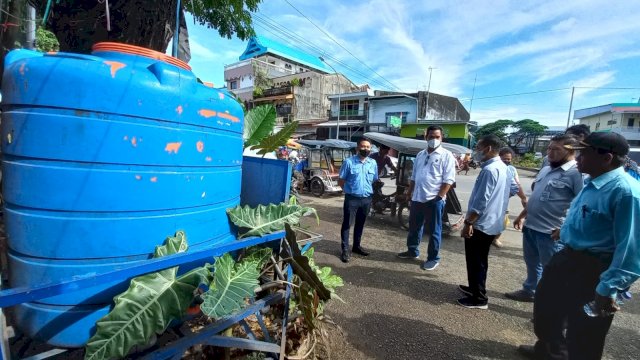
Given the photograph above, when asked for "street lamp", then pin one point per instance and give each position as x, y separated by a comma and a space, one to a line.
337, 78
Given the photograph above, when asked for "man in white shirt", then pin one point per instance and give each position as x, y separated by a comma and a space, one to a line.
433, 174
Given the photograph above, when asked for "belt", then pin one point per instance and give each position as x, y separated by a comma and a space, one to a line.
359, 197
604, 256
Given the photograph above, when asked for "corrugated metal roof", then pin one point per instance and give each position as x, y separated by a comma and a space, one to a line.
259, 45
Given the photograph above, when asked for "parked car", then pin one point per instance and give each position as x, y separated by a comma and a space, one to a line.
537, 155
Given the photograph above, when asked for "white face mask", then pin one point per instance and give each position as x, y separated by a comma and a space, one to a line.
477, 156
433, 143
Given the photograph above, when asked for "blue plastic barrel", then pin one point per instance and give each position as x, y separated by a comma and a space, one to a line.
104, 156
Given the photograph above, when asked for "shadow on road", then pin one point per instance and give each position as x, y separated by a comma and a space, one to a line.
392, 337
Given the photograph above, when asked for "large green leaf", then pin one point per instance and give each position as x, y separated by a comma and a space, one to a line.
258, 123
267, 219
257, 256
272, 142
233, 283
301, 266
147, 307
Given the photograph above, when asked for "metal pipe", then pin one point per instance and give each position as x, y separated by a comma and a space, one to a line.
176, 34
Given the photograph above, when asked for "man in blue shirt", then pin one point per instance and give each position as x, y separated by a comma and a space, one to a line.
357, 175
601, 256
484, 220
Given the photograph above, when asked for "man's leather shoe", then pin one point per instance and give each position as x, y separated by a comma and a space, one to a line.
528, 351
344, 257
360, 251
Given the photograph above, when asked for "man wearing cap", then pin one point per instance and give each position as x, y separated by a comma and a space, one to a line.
601, 256
553, 189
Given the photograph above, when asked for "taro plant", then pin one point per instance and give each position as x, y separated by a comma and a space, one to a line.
259, 123
267, 219
150, 304
313, 286
155, 300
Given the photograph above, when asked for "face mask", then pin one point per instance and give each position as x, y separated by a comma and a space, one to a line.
433, 143
477, 156
364, 152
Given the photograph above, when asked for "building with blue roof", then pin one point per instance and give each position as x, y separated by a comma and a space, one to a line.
295, 82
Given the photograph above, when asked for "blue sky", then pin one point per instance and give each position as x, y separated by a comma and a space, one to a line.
507, 47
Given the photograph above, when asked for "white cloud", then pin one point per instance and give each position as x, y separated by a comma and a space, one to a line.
512, 46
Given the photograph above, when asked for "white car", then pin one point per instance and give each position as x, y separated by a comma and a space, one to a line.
537, 155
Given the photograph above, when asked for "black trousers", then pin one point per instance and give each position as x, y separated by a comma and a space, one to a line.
568, 282
354, 209
476, 251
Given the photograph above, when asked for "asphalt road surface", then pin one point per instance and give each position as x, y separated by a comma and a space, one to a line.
395, 310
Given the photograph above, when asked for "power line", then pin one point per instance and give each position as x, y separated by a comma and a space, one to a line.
276, 30
344, 48
271, 27
518, 94
607, 88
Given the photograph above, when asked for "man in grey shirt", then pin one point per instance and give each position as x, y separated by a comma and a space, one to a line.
553, 190
484, 219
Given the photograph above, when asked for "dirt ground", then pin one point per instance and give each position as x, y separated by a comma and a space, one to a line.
395, 310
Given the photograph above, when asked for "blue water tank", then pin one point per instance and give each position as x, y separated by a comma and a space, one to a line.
104, 156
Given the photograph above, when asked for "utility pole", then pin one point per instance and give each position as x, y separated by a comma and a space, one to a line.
573, 88
338, 80
473, 92
426, 115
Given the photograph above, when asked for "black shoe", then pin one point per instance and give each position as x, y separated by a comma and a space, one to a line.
471, 303
360, 251
520, 295
528, 351
465, 290
344, 257
407, 255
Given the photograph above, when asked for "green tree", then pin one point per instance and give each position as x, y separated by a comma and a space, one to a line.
526, 131
497, 128
46, 41
148, 23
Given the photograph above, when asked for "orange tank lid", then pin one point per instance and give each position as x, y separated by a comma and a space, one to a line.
138, 50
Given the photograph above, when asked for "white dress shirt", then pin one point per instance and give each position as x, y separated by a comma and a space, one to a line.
430, 171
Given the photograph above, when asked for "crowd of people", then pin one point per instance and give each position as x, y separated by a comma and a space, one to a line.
581, 238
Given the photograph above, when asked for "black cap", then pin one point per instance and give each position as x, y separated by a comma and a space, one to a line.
608, 141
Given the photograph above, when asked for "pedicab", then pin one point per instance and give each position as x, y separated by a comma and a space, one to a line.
407, 151
321, 167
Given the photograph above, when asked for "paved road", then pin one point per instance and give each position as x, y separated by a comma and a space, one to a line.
394, 310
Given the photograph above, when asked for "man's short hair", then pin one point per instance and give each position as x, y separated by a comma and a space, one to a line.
361, 140
578, 130
434, 128
491, 140
507, 150
384, 147
566, 139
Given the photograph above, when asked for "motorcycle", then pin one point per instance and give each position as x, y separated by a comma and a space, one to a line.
380, 201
